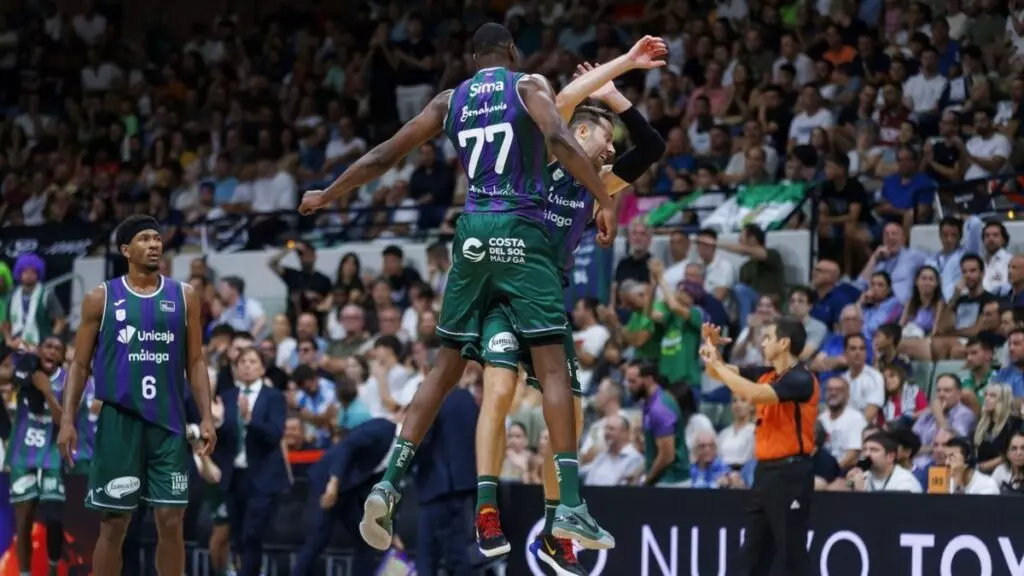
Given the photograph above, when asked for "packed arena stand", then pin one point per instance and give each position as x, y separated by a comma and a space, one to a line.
882, 138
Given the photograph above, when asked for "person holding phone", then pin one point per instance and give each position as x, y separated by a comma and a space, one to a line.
877, 471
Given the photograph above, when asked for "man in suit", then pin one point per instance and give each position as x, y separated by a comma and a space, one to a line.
339, 483
253, 469
445, 476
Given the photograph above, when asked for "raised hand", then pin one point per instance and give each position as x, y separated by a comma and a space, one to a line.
646, 53
604, 91
312, 201
713, 335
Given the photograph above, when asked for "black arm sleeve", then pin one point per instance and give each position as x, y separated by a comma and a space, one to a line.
648, 146
797, 385
754, 373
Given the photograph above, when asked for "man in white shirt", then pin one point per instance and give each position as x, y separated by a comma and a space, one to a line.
922, 91
842, 423
719, 273
607, 403
273, 191
241, 313
791, 54
867, 387
589, 339
346, 146
988, 150
383, 391
883, 474
813, 116
964, 479
619, 463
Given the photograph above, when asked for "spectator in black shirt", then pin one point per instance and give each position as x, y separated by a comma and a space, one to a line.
845, 214
657, 117
826, 468
414, 64
431, 185
307, 288
398, 276
775, 116
635, 265
605, 36
693, 68
943, 161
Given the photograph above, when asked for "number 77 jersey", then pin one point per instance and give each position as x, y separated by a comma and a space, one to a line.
500, 146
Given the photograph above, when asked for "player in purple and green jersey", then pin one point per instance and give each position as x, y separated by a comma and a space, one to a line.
37, 480
570, 209
503, 124
140, 337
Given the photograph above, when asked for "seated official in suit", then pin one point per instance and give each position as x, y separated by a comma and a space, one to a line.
338, 485
254, 473
445, 476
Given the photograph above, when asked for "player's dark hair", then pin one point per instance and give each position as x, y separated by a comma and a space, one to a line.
590, 115
793, 329
492, 38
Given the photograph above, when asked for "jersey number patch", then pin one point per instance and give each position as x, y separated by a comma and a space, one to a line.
35, 438
148, 387
477, 136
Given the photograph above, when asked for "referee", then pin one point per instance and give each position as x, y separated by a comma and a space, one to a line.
786, 396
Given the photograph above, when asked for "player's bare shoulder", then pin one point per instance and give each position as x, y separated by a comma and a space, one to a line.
94, 302
534, 83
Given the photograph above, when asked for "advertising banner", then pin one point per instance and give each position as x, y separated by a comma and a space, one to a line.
591, 275
677, 532
57, 244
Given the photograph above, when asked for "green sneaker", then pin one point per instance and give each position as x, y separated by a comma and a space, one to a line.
577, 524
376, 526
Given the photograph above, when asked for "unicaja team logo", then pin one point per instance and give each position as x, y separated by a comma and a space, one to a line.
125, 335
473, 250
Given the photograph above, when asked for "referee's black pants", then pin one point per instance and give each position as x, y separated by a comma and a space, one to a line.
780, 506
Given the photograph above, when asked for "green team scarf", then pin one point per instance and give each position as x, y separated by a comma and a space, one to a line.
6, 284
760, 198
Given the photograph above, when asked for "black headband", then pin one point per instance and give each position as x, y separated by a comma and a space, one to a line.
128, 230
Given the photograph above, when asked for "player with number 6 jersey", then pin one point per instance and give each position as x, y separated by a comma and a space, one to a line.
140, 338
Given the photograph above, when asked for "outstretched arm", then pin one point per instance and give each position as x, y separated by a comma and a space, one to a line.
540, 103
374, 163
644, 55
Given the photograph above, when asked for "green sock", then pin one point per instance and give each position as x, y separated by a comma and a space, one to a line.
401, 458
549, 515
486, 491
567, 467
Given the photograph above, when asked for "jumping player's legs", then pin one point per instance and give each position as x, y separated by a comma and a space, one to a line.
115, 482
500, 356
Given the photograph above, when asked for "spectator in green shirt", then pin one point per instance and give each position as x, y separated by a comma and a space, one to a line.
680, 321
763, 274
640, 332
980, 372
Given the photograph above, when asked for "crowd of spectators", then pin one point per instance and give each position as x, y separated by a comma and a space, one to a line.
920, 356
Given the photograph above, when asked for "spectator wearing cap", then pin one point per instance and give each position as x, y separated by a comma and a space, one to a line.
946, 410
34, 311
240, 312
307, 287
762, 274
964, 477
881, 472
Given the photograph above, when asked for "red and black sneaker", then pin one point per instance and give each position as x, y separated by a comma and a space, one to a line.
559, 554
489, 535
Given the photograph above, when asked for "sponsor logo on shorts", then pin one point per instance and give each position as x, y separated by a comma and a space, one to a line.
473, 250
49, 484
179, 483
503, 342
507, 250
123, 486
23, 484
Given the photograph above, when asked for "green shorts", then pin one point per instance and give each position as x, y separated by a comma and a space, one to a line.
502, 258
501, 347
218, 503
28, 484
136, 459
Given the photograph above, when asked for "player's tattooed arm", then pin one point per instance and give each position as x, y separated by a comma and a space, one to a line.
423, 128
198, 373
